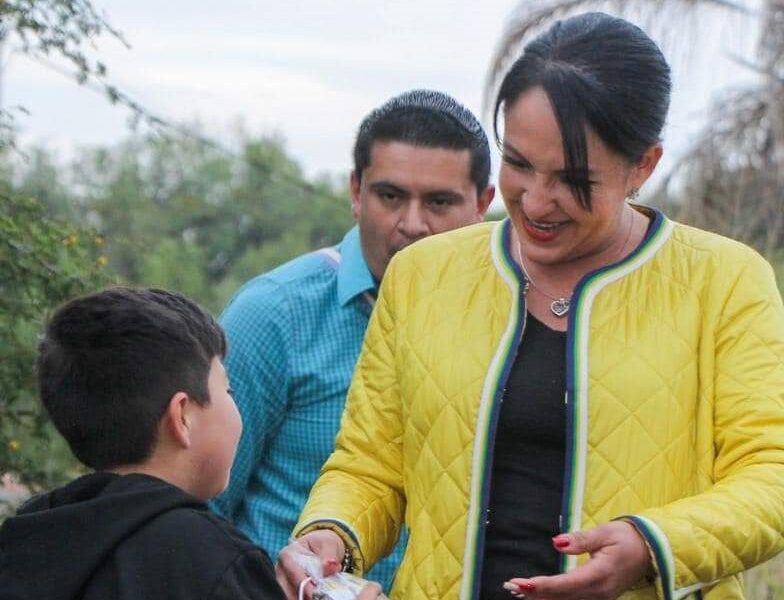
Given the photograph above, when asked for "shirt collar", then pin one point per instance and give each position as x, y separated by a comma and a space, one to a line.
354, 277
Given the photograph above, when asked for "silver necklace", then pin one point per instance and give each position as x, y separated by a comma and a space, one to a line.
560, 304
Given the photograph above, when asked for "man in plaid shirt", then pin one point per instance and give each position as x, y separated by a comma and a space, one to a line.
421, 167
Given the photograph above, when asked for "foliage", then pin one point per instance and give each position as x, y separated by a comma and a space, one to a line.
197, 218
43, 261
58, 27
178, 212
172, 212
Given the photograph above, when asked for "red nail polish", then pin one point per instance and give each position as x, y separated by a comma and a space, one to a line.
528, 588
560, 541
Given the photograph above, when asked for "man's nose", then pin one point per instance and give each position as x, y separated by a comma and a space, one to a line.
413, 221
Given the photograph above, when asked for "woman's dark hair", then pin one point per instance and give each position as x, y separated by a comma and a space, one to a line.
110, 362
599, 71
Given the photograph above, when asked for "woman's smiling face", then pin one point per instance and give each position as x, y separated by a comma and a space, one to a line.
551, 224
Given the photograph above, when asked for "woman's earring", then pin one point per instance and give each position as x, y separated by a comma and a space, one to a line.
633, 193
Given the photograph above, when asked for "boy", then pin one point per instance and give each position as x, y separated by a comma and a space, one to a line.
134, 381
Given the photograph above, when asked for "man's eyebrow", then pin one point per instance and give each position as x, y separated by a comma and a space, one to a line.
388, 187
446, 194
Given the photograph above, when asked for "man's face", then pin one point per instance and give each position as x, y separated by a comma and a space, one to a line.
410, 192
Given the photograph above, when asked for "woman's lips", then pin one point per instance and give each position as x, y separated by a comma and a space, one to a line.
542, 232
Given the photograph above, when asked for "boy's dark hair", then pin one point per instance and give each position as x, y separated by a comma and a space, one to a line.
110, 362
429, 119
598, 71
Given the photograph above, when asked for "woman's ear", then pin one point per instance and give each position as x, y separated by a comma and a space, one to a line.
178, 419
645, 166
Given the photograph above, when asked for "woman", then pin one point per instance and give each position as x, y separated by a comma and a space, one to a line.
583, 400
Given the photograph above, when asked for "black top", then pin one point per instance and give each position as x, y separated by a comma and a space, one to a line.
128, 537
528, 463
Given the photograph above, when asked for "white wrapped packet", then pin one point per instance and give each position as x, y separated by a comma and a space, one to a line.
341, 586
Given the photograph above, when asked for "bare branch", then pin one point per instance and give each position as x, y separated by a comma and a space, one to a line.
58, 29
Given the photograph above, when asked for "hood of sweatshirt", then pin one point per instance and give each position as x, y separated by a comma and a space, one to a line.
58, 540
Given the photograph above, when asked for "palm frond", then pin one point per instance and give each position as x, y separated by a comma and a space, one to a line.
532, 17
730, 181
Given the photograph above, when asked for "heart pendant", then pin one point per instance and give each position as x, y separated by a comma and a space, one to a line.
560, 307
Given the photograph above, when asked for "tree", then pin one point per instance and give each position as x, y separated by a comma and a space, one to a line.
174, 209
180, 213
172, 212
61, 35
735, 172
43, 261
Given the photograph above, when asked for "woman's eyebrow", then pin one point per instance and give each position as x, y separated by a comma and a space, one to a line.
514, 156
518, 157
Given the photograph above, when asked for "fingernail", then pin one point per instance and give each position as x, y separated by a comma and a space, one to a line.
561, 541
513, 590
528, 588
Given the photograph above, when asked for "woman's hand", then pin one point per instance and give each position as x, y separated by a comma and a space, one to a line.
324, 547
619, 560
371, 591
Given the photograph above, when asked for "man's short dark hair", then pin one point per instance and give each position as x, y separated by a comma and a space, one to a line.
110, 362
429, 119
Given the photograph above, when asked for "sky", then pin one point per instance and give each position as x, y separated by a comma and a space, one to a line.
309, 70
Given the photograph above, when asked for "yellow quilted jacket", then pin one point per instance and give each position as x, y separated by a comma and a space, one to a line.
675, 404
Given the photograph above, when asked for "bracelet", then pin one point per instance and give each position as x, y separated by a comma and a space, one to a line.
347, 564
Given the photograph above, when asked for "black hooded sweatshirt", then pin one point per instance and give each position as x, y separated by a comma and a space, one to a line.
109, 536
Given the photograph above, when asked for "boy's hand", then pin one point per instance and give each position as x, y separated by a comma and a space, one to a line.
326, 548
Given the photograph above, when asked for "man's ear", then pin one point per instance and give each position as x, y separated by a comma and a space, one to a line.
484, 200
178, 418
355, 185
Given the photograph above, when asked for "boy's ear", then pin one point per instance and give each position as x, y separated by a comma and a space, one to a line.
178, 421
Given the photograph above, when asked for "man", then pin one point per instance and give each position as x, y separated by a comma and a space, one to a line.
421, 167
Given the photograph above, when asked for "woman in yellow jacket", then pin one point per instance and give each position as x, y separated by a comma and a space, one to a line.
583, 401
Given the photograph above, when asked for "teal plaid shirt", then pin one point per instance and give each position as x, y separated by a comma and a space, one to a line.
294, 337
